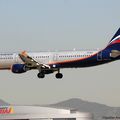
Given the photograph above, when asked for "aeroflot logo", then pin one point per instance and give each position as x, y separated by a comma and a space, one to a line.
6, 110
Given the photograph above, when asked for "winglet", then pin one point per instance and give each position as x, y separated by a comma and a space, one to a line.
24, 53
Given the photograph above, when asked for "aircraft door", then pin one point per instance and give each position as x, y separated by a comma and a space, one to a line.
99, 56
17, 59
55, 57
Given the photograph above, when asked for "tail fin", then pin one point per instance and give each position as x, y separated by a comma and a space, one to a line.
114, 43
115, 38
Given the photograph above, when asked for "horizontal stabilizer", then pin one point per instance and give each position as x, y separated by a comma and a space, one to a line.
115, 53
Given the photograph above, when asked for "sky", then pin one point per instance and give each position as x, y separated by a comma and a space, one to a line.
35, 25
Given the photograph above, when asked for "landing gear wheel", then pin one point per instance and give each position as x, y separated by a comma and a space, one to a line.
41, 75
59, 75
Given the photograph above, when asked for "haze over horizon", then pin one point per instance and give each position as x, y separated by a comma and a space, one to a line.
35, 25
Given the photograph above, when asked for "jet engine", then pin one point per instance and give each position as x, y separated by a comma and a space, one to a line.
18, 68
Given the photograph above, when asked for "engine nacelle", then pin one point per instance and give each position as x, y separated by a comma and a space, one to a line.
18, 68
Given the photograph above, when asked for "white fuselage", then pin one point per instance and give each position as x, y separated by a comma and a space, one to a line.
8, 59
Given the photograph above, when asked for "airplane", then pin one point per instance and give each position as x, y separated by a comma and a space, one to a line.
50, 62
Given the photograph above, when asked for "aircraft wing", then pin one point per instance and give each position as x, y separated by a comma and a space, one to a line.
30, 62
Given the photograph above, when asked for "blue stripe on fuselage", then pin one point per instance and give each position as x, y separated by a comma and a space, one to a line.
93, 60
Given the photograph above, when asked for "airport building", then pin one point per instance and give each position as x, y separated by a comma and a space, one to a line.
41, 113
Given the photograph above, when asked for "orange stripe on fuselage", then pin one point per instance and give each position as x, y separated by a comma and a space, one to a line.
5, 68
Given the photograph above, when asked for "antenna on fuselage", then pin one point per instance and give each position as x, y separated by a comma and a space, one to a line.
74, 49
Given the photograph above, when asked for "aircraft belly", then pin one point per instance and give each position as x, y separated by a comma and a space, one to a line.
84, 63
5, 64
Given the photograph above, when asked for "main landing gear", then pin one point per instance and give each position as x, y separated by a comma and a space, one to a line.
41, 75
58, 75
